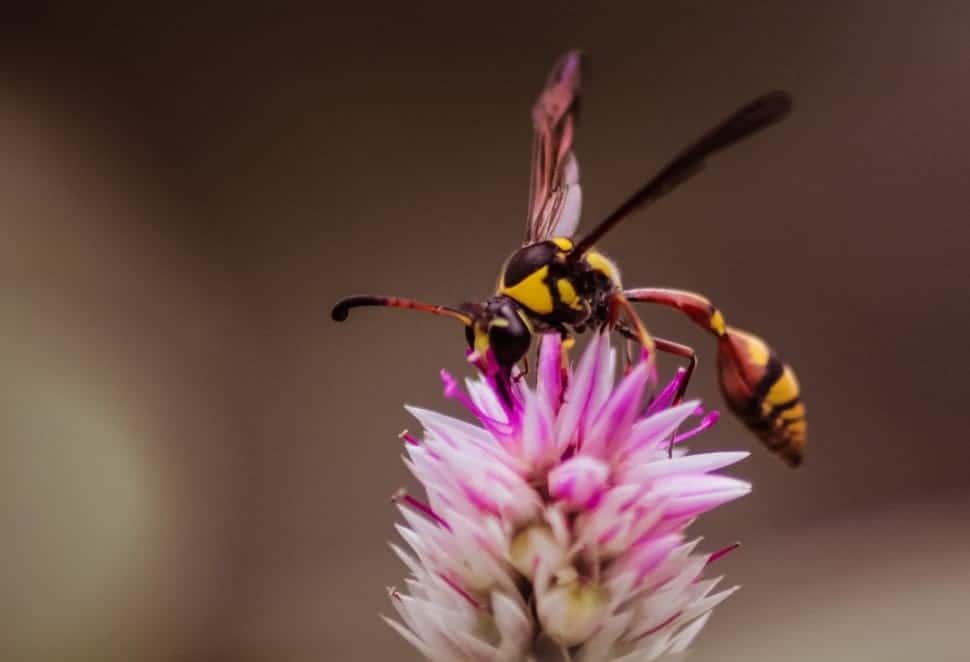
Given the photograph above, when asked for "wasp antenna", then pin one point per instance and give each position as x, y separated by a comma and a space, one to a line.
341, 309
748, 120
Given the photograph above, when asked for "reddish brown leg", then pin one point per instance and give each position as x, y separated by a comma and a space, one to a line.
670, 347
676, 349
628, 344
522, 371
618, 304
683, 351
691, 356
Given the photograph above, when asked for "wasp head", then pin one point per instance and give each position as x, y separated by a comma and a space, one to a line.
499, 325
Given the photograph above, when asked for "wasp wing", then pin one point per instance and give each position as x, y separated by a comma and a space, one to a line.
555, 197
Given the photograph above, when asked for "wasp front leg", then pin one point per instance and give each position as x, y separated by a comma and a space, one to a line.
757, 385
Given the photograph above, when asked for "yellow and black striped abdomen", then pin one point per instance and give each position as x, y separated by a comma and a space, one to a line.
763, 392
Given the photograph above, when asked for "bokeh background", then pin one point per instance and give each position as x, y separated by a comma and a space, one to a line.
196, 463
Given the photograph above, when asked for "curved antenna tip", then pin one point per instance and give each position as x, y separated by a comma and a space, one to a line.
779, 102
340, 311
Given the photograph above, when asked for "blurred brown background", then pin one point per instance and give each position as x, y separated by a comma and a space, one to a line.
197, 462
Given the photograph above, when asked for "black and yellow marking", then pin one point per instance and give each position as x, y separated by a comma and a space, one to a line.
774, 410
603, 265
539, 278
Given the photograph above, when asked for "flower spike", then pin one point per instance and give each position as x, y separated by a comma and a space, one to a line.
559, 520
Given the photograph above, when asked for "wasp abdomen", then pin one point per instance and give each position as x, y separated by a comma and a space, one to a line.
763, 392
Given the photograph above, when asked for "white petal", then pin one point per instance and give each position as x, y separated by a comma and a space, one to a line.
473, 647
409, 561
486, 399
599, 645
681, 485
537, 442
696, 504
705, 605
557, 522
619, 586
513, 625
580, 389
579, 482
431, 623
414, 641
683, 639
656, 610
647, 555
647, 435
462, 436
699, 463
701, 589
614, 420
549, 381
602, 387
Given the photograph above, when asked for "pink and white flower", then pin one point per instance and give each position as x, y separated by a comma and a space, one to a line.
557, 523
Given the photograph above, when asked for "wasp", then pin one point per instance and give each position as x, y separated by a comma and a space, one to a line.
557, 283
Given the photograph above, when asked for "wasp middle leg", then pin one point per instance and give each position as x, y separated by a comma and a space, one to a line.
671, 347
677, 349
618, 303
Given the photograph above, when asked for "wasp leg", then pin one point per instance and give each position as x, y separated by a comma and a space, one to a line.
619, 304
685, 352
523, 371
688, 353
628, 357
671, 347
677, 349
629, 340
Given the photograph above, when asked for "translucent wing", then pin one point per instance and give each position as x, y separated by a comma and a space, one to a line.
555, 197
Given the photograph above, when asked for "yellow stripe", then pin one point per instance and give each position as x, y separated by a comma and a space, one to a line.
600, 263
717, 323
563, 243
532, 292
783, 390
757, 350
793, 414
567, 294
481, 340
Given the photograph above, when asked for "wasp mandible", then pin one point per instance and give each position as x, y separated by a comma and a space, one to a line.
557, 284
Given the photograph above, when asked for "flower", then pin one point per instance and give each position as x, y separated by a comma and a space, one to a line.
558, 522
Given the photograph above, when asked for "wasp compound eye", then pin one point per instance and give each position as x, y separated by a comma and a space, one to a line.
509, 339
